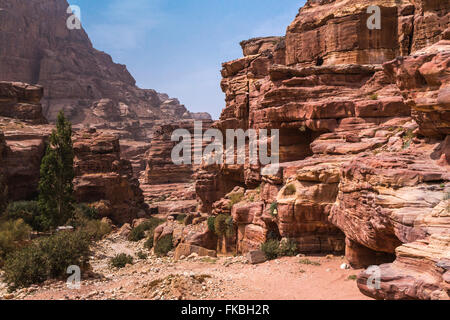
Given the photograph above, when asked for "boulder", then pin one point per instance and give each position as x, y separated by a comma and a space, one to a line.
256, 257
186, 250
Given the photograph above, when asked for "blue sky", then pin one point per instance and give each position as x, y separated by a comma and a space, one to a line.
177, 46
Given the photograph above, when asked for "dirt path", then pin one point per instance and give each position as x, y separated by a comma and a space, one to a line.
205, 279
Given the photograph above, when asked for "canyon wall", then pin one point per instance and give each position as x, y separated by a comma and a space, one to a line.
38, 48
102, 178
364, 118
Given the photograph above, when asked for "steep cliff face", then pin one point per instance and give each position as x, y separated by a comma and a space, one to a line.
363, 140
25, 134
336, 32
104, 179
37, 47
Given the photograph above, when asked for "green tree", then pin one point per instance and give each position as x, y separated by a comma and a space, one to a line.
56, 183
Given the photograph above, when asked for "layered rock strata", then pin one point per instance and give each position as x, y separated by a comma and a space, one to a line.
363, 140
104, 179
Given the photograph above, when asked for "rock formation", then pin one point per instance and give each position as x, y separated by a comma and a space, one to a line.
25, 137
363, 118
103, 179
37, 47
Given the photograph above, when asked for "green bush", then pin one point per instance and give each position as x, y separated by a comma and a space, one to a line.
220, 226
149, 243
121, 260
96, 229
138, 233
46, 258
142, 255
13, 235
211, 223
288, 248
164, 245
235, 198
270, 249
274, 209
28, 211
290, 190
63, 250
86, 211
373, 96
26, 267
229, 225
181, 218
309, 262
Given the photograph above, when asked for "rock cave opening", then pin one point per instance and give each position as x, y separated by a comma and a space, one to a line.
295, 143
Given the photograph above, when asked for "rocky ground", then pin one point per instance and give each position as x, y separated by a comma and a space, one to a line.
200, 278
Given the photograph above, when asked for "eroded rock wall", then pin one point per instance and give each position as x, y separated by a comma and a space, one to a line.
363, 120
104, 179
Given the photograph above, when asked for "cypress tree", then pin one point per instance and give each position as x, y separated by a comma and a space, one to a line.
56, 181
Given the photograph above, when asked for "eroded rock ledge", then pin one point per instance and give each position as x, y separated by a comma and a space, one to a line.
364, 147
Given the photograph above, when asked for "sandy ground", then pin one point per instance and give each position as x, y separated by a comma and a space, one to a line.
198, 278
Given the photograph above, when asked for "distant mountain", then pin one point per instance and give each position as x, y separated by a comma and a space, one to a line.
37, 47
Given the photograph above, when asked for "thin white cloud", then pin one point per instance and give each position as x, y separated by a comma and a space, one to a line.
125, 24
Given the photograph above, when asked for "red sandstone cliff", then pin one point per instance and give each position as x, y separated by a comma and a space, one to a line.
364, 123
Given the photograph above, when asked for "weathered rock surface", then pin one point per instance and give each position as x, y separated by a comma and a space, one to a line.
363, 137
103, 178
37, 47
421, 271
21, 101
24, 138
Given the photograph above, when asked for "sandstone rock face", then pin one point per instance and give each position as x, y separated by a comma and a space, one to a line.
426, 69
86, 83
21, 101
24, 138
160, 167
421, 271
363, 139
37, 47
104, 179
336, 32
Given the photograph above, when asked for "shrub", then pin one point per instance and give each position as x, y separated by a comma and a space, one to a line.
352, 277
63, 250
290, 190
288, 248
309, 262
26, 267
46, 258
96, 229
149, 243
86, 211
235, 198
138, 233
223, 225
211, 223
28, 211
270, 249
121, 260
164, 245
274, 209
13, 235
181, 218
142, 255
373, 96
229, 227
